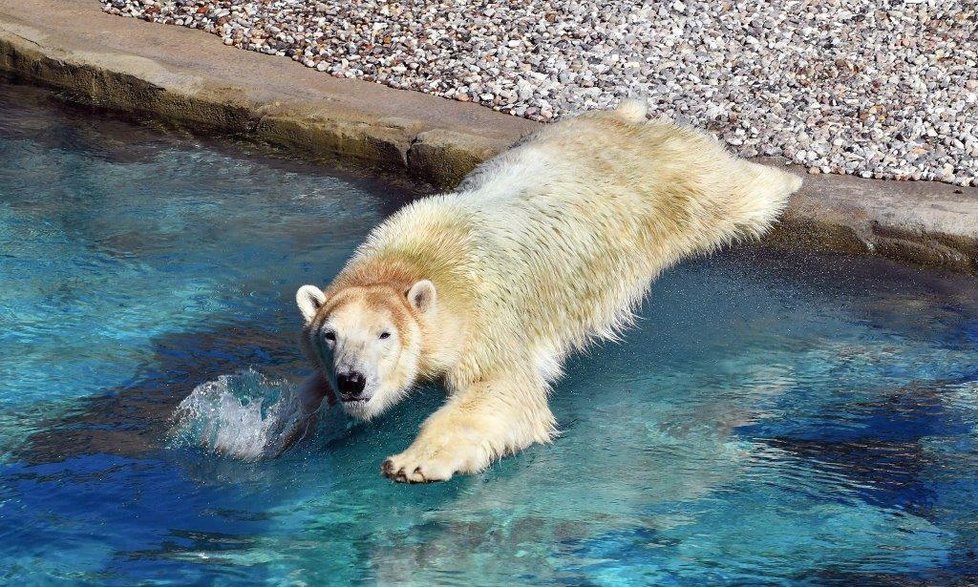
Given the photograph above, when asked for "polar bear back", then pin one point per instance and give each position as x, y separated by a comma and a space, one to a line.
558, 239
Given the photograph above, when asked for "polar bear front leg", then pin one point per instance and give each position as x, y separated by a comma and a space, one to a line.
471, 430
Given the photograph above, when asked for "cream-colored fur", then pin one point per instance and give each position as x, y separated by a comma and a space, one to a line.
540, 250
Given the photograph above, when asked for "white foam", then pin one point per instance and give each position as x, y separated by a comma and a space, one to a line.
244, 415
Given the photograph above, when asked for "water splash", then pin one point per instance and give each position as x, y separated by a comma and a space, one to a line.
244, 415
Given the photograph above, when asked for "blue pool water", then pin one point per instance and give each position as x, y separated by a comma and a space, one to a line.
774, 419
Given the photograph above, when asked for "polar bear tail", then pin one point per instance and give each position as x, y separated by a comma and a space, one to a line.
761, 197
633, 110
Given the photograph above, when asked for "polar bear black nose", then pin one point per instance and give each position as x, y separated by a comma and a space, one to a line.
351, 384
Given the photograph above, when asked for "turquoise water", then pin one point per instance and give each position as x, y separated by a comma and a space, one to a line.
774, 419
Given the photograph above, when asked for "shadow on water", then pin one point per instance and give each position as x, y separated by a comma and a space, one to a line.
132, 420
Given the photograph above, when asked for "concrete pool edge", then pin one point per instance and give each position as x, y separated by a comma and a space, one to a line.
190, 79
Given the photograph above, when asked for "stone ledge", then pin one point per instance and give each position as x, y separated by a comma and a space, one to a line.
190, 79
925, 223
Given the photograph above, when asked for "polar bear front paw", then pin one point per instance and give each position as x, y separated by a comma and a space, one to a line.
426, 462
405, 469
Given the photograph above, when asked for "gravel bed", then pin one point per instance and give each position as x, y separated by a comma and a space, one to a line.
883, 89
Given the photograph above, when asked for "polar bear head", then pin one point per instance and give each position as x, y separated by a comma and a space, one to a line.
367, 340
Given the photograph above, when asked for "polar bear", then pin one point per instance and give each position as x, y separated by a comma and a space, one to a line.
540, 250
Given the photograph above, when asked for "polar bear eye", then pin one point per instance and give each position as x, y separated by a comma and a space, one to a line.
330, 336
384, 335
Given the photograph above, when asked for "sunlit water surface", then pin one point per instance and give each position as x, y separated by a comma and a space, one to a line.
775, 418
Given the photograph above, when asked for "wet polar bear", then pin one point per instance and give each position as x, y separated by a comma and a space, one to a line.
540, 250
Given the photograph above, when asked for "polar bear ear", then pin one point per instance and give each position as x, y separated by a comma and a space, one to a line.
422, 296
309, 298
